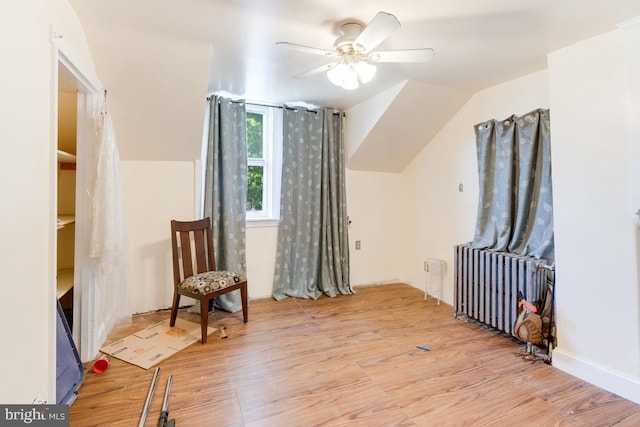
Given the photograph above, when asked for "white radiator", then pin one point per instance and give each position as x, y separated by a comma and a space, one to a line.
486, 285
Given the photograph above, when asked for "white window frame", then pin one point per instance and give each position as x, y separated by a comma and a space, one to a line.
272, 164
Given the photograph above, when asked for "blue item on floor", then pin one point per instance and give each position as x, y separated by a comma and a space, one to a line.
69, 370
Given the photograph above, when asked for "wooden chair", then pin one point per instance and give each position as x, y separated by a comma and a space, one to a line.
194, 270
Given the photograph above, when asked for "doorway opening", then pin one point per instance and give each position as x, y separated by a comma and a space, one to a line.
77, 98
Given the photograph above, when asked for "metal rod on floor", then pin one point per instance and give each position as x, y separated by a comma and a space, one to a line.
164, 420
147, 403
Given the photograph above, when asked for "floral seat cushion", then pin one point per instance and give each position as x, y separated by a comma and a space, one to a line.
210, 281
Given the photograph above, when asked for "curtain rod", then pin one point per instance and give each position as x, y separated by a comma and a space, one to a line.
281, 107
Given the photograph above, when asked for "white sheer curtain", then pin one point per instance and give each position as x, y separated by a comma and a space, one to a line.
105, 293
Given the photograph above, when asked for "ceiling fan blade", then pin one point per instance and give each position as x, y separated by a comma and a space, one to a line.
315, 71
307, 49
406, 55
380, 27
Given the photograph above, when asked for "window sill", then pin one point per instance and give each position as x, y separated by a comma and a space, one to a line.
262, 222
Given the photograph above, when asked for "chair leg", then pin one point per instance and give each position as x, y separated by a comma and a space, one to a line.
245, 302
174, 309
204, 318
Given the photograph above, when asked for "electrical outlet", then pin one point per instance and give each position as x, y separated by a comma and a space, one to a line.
357, 245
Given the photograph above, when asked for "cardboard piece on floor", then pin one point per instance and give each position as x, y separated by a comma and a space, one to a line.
155, 343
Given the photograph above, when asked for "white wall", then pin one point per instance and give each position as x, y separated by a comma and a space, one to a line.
27, 367
154, 193
631, 31
596, 250
379, 215
261, 260
440, 215
24, 107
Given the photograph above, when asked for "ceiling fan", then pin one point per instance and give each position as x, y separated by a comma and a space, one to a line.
354, 53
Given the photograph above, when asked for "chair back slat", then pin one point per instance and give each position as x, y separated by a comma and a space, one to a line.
186, 249
200, 251
211, 258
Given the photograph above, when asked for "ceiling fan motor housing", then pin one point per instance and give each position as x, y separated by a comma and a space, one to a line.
344, 45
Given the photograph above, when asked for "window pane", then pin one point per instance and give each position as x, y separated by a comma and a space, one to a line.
254, 187
254, 135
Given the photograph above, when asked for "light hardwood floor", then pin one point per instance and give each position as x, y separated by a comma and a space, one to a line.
348, 361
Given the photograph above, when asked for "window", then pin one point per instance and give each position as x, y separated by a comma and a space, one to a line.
264, 158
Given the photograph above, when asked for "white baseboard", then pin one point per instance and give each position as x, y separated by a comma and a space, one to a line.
382, 282
620, 383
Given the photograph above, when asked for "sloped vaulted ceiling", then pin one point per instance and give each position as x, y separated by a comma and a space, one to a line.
157, 88
386, 132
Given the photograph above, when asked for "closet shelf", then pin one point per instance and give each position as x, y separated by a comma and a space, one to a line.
64, 220
64, 157
64, 281
66, 160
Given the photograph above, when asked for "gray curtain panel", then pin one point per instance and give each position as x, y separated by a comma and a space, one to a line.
312, 252
225, 189
515, 207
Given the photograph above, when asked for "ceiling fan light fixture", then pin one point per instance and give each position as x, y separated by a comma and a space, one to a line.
337, 73
349, 75
350, 79
365, 71
344, 75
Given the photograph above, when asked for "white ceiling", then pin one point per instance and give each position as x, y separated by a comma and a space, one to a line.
477, 43
154, 57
